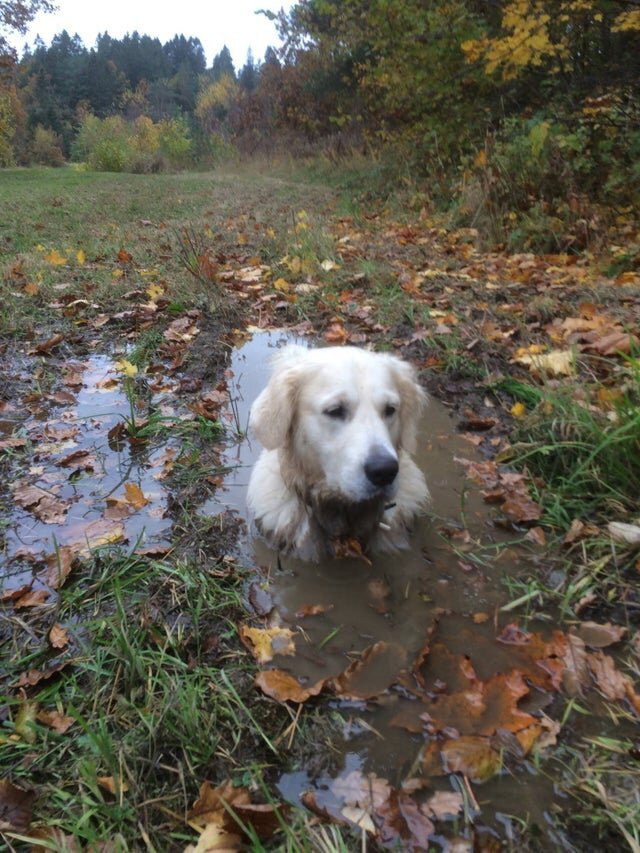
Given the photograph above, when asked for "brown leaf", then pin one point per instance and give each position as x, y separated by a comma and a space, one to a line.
134, 495
56, 721
59, 565
600, 636
404, 826
56, 838
520, 508
472, 756
32, 598
35, 676
312, 610
378, 668
443, 804
283, 687
15, 807
356, 789
112, 785
48, 345
611, 683
58, 636
214, 838
336, 333
14, 594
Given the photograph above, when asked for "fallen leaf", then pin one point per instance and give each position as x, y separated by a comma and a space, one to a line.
377, 669
59, 566
443, 804
134, 495
58, 636
472, 756
56, 721
35, 676
628, 534
265, 643
112, 785
599, 636
31, 599
284, 687
15, 807
25, 721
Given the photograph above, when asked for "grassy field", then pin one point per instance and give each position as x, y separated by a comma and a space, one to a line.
148, 692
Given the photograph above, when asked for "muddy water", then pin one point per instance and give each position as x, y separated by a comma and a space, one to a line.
89, 492
446, 592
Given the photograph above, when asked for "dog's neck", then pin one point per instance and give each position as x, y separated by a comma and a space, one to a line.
338, 518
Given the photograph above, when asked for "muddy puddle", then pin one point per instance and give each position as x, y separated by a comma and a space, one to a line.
407, 645
88, 484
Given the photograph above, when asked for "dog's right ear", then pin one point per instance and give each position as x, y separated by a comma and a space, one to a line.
272, 414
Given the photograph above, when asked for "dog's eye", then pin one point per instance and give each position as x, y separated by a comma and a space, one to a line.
389, 411
338, 413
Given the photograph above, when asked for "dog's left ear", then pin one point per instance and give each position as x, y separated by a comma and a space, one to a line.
413, 400
272, 413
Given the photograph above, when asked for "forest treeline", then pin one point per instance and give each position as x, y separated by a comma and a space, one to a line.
525, 111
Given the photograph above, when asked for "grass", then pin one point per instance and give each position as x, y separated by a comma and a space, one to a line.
158, 692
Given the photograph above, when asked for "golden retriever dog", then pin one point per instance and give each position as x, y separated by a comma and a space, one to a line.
337, 426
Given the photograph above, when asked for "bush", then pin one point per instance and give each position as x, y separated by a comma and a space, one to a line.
46, 148
541, 185
115, 145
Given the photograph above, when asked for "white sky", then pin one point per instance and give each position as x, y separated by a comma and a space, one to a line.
214, 22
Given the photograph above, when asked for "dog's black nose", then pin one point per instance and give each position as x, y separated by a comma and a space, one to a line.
381, 468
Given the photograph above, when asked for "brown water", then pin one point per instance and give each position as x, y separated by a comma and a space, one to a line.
447, 592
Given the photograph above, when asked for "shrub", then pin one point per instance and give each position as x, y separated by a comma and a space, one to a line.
115, 145
46, 148
543, 186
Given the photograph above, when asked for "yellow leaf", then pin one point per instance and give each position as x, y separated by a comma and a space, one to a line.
556, 363
264, 643
55, 258
135, 496
518, 410
126, 367
154, 291
31, 289
80, 256
480, 160
281, 285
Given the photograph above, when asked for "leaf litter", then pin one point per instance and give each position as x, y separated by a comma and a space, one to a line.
471, 721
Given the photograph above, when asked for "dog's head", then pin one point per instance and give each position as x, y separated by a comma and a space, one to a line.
339, 417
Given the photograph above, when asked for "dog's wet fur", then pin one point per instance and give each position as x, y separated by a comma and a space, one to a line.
338, 426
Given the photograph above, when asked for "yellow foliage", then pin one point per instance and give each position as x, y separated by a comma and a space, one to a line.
625, 21
531, 36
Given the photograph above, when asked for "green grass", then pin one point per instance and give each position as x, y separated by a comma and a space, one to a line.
587, 459
160, 695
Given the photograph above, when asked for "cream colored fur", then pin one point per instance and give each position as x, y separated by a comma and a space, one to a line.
323, 417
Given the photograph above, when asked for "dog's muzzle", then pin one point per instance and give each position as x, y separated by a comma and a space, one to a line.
381, 468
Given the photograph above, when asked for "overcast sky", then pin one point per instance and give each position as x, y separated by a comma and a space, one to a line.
214, 22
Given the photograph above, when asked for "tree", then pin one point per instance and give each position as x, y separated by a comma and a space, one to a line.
249, 73
223, 65
16, 15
